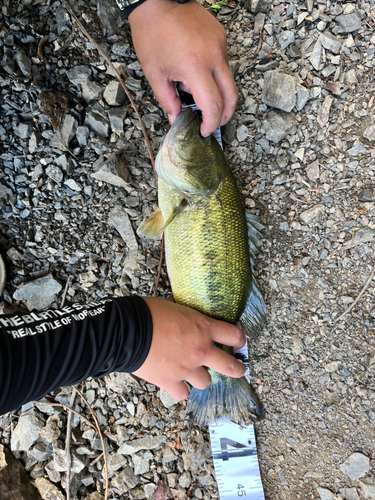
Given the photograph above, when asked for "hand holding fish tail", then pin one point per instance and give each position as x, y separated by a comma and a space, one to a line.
182, 347
185, 43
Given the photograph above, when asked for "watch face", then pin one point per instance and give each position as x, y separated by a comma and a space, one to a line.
125, 3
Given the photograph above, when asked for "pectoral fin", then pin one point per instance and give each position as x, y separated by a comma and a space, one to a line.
154, 226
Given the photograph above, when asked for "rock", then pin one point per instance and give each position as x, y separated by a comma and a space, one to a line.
116, 118
24, 63
39, 294
330, 42
125, 480
82, 134
26, 431
145, 443
356, 149
5, 192
349, 22
312, 171
91, 91
326, 494
367, 491
316, 56
119, 219
259, 23
55, 173
356, 466
278, 125
142, 462
366, 196
167, 400
114, 94
79, 75
114, 171
312, 213
73, 185
14, 481
68, 129
115, 462
303, 95
133, 84
24, 130
349, 493
351, 76
323, 113
361, 236
97, 121
51, 431
256, 6
286, 38
242, 133
47, 490
369, 133
185, 480
60, 462
279, 91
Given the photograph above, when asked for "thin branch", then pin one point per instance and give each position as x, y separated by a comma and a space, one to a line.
101, 440
67, 441
118, 76
64, 297
66, 407
365, 286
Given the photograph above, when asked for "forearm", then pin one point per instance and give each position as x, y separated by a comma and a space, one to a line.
40, 352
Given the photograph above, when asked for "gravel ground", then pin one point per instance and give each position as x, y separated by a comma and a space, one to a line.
76, 181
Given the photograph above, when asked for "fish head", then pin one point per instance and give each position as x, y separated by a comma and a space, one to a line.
187, 161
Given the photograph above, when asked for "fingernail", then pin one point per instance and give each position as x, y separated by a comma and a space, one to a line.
170, 118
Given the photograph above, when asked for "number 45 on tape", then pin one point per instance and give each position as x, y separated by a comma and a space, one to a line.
236, 461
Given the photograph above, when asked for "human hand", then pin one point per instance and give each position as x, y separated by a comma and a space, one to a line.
185, 43
182, 347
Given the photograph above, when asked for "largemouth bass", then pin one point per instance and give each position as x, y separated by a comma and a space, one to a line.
208, 253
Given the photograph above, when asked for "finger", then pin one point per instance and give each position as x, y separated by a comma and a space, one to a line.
227, 334
224, 363
177, 390
208, 99
228, 91
165, 93
199, 378
184, 88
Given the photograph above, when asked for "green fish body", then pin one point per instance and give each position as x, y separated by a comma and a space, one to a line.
207, 253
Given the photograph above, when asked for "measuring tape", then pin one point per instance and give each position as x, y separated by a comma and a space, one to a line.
234, 449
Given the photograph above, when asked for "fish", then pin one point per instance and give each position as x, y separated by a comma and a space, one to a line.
210, 245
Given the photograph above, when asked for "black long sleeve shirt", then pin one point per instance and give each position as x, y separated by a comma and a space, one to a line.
42, 351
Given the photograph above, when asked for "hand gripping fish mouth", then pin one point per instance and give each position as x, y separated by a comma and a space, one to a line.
210, 244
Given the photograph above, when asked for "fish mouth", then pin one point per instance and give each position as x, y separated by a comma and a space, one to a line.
185, 126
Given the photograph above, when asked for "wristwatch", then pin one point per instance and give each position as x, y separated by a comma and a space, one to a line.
129, 5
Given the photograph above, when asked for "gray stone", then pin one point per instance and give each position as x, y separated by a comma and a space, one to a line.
121, 49
55, 173
326, 494
349, 493
259, 23
250, 105
279, 91
125, 480
145, 443
366, 196
24, 130
312, 171
149, 489
79, 75
68, 129
316, 56
26, 431
242, 133
61, 464
114, 94
369, 133
330, 42
349, 22
185, 480
286, 38
47, 490
91, 91
360, 237
116, 118
356, 149
82, 134
115, 462
39, 294
114, 171
15, 483
97, 121
5, 192
151, 120
166, 399
356, 466
24, 63
312, 213
142, 462
323, 113
133, 84
73, 185
278, 125
256, 6
39, 452
303, 95
367, 491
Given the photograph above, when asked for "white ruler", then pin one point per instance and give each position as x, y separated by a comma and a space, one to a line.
234, 449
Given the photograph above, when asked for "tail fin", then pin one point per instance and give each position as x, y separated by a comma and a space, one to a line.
233, 398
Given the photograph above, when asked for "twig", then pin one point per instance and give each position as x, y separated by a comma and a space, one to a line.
67, 446
64, 297
101, 440
40, 54
118, 76
359, 296
66, 407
